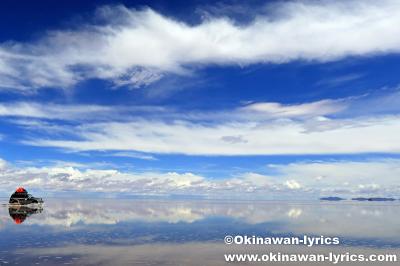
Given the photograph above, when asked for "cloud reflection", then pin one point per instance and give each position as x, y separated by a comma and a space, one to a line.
124, 231
340, 219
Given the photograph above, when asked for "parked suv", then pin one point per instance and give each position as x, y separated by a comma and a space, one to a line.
21, 197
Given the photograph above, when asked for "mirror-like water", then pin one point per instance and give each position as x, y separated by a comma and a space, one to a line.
137, 232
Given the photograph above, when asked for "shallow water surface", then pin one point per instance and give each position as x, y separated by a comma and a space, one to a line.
156, 232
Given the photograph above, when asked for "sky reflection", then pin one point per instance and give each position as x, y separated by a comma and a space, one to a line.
63, 225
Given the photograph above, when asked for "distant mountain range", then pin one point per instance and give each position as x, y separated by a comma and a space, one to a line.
332, 198
358, 199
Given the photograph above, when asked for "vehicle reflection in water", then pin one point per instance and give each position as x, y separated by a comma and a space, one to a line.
19, 213
191, 232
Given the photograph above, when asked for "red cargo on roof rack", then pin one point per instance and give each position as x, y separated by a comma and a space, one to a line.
19, 220
20, 190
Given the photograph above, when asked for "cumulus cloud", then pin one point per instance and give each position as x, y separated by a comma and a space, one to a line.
137, 47
292, 184
68, 178
374, 177
364, 177
2, 164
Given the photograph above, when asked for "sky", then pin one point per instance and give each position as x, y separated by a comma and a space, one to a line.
215, 99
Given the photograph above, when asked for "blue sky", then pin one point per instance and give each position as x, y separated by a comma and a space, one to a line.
256, 99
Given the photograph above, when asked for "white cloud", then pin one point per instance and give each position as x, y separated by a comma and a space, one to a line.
292, 184
138, 47
138, 78
51, 111
253, 111
320, 127
339, 80
294, 213
319, 108
314, 136
73, 112
384, 101
61, 178
2, 164
373, 178
135, 155
70, 178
